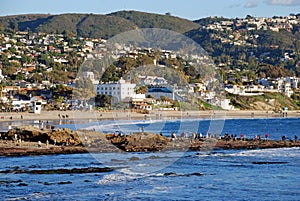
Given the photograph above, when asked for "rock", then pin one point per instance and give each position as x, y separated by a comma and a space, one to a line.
60, 171
65, 182
140, 142
33, 134
22, 184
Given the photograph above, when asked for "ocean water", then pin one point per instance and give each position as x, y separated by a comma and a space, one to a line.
275, 127
268, 174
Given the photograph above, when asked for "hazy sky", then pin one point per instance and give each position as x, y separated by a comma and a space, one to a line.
190, 9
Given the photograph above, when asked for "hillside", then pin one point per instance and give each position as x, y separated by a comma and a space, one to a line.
94, 25
267, 101
149, 20
85, 25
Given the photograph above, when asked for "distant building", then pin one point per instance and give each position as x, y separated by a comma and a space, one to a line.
89, 75
153, 80
158, 92
121, 90
37, 107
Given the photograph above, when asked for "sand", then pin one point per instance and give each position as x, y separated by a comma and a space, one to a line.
154, 115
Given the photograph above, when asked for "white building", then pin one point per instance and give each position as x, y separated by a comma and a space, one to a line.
121, 90
89, 75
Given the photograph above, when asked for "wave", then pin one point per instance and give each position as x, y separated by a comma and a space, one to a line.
273, 152
111, 179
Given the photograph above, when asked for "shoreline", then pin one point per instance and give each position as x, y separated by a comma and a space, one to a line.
30, 148
207, 145
154, 115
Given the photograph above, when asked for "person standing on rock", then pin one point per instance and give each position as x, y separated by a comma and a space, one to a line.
39, 144
173, 136
54, 141
267, 136
47, 143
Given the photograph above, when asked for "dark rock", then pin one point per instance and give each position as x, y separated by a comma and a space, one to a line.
60, 171
168, 174
134, 158
22, 184
268, 162
65, 182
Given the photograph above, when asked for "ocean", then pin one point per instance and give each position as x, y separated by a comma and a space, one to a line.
267, 174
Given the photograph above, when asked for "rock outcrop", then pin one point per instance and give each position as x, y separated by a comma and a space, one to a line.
33, 134
139, 142
91, 141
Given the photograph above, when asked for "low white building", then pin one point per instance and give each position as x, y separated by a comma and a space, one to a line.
121, 90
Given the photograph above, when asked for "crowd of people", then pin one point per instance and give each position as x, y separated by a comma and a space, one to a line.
227, 137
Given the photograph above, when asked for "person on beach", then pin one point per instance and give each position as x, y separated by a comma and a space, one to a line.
193, 136
39, 143
173, 136
296, 138
54, 141
267, 136
47, 143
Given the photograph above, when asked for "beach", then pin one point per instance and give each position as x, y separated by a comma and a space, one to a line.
126, 114
10, 148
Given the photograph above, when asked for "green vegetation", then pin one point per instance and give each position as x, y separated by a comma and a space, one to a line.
267, 101
94, 25
148, 20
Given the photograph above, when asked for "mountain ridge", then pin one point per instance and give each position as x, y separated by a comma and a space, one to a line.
94, 25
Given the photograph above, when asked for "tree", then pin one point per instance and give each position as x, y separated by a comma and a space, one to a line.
165, 98
103, 100
37, 78
141, 90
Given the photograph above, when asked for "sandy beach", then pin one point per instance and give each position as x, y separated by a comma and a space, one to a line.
153, 115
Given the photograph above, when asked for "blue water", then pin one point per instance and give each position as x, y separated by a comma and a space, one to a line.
210, 175
275, 127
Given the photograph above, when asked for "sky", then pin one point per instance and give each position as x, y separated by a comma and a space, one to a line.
189, 9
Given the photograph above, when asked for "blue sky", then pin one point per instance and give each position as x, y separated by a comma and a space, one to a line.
190, 9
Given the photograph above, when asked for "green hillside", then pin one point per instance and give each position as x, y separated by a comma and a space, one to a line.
94, 25
88, 25
149, 20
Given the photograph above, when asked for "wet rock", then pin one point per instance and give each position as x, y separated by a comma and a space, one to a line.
196, 174
268, 162
65, 182
22, 184
134, 158
168, 174
61, 171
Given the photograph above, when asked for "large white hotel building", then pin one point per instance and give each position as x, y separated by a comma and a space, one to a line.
120, 90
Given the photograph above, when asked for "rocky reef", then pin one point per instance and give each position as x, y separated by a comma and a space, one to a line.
33, 134
65, 141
